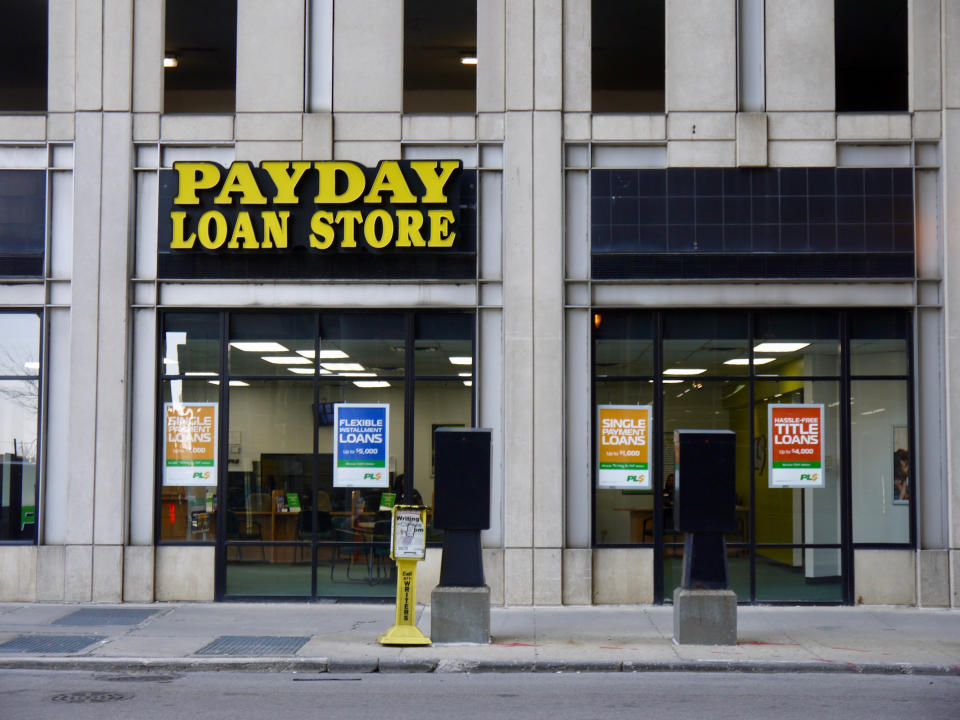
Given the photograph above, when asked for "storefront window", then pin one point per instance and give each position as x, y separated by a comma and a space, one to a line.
881, 461
19, 412
767, 375
270, 399
269, 486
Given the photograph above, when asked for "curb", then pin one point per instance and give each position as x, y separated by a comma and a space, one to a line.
427, 666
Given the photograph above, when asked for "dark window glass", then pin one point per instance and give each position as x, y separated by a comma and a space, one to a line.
23, 56
200, 56
871, 55
787, 222
628, 55
439, 56
22, 222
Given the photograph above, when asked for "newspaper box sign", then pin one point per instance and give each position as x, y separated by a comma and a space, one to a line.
409, 537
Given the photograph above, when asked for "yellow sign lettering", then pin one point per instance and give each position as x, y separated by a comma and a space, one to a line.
243, 230
432, 180
375, 240
275, 228
327, 182
348, 220
390, 179
285, 181
240, 180
220, 232
193, 176
178, 242
440, 234
322, 226
409, 223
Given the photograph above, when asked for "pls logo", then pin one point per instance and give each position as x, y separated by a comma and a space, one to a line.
202, 475
372, 476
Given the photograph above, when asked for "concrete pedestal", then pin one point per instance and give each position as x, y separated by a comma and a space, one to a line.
704, 617
460, 615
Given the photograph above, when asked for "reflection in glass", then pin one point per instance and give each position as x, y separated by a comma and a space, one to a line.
878, 343
18, 459
19, 344
437, 403
883, 480
191, 344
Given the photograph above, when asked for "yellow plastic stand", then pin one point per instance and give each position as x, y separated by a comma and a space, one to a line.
405, 630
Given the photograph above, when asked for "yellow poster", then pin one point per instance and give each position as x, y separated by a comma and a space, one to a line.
190, 444
623, 447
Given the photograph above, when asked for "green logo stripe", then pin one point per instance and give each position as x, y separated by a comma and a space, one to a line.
624, 466
793, 464
359, 463
189, 463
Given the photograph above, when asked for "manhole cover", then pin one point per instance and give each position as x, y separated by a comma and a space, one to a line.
49, 643
106, 616
90, 696
253, 645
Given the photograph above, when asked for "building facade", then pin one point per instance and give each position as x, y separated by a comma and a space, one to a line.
543, 217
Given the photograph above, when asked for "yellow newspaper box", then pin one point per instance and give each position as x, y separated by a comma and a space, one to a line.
408, 546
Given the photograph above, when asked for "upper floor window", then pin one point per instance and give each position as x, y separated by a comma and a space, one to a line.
23, 56
200, 56
628, 56
871, 55
439, 56
23, 206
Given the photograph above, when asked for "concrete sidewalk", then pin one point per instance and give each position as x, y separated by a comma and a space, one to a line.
180, 637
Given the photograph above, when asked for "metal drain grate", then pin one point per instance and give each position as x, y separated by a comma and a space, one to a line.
91, 696
106, 616
253, 645
49, 643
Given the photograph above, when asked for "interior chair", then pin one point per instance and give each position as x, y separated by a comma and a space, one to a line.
238, 529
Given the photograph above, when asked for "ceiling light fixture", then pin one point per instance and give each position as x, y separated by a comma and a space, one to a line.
301, 371
468, 59
684, 371
273, 347
343, 367
233, 383
777, 347
461, 360
746, 361
286, 359
371, 383
170, 61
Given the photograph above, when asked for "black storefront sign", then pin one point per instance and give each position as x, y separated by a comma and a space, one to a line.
411, 219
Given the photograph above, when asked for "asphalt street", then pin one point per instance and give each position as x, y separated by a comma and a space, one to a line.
74, 695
